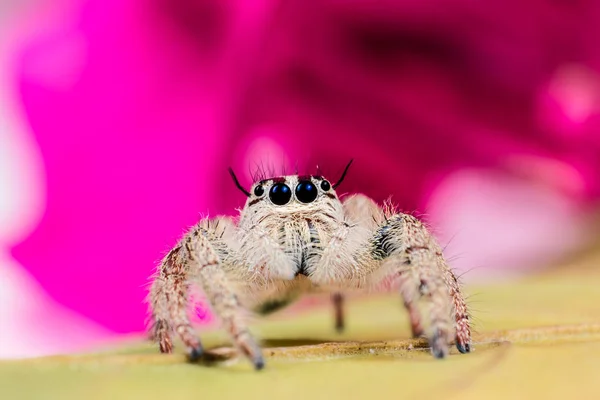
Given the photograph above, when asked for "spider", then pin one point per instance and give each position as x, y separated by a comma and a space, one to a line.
295, 235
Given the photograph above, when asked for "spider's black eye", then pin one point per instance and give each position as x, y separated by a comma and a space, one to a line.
259, 191
306, 192
280, 194
325, 185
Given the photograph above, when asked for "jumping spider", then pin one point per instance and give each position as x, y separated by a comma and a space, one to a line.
295, 235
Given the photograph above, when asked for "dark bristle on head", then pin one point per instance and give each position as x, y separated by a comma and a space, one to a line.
304, 177
279, 179
335, 185
237, 183
259, 173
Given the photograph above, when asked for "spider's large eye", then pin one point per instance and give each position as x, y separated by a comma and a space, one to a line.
325, 185
280, 194
306, 192
259, 191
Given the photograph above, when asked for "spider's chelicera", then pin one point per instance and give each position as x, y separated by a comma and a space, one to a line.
295, 235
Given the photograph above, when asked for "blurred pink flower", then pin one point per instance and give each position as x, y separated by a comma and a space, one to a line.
139, 107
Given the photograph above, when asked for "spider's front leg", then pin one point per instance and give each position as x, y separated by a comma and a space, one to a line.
401, 250
195, 261
413, 257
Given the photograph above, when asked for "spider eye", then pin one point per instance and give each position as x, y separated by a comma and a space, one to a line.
325, 185
306, 192
280, 194
259, 191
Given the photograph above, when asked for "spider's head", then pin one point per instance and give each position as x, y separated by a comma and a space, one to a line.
291, 192
292, 210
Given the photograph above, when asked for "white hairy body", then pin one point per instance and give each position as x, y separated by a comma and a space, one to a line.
274, 252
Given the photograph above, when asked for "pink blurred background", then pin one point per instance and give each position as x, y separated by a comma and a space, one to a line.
118, 120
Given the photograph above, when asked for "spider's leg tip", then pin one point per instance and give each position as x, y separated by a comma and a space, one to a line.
166, 348
439, 345
196, 353
463, 348
439, 353
259, 363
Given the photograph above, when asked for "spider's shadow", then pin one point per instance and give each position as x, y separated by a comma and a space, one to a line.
295, 342
214, 356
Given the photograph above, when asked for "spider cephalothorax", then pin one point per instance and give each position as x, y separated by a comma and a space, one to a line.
295, 235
